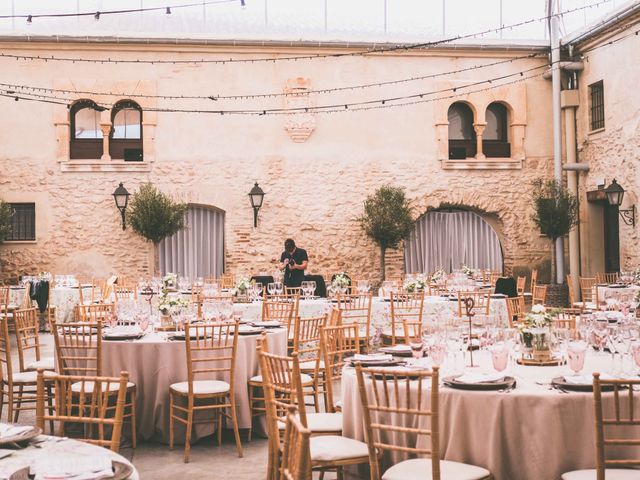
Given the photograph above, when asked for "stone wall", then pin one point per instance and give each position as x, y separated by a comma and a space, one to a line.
316, 175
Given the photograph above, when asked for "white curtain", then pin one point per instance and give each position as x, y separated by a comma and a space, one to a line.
449, 240
198, 250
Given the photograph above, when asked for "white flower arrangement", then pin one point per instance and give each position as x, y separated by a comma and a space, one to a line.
417, 283
45, 276
438, 275
170, 280
467, 270
341, 280
244, 284
170, 305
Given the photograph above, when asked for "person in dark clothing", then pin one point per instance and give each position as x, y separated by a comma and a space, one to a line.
293, 262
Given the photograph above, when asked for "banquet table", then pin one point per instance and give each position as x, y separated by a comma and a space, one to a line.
59, 448
63, 298
529, 433
154, 362
615, 291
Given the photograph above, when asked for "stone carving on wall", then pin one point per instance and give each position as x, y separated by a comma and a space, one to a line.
301, 125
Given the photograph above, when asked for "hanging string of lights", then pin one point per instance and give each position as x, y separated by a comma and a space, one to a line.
98, 14
268, 95
370, 51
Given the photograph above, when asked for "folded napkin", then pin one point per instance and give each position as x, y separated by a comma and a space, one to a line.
585, 379
123, 330
481, 377
398, 348
72, 467
8, 430
375, 357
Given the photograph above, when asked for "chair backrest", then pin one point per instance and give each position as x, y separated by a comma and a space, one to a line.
606, 278
123, 291
306, 339
296, 455
292, 290
96, 313
356, 308
534, 280
539, 295
620, 429
438, 290
515, 310
78, 348
228, 280
337, 343
333, 317
280, 308
27, 338
391, 400
412, 329
85, 400
481, 302
4, 298
211, 351
6, 366
567, 318
405, 306
493, 278
521, 283
586, 288
572, 292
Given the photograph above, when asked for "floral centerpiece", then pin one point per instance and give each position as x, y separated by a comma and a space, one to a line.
341, 280
45, 276
417, 283
468, 271
169, 281
438, 276
535, 331
243, 285
169, 305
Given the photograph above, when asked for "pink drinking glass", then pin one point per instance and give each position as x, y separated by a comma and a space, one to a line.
499, 356
437, 352
144, 323
576, 352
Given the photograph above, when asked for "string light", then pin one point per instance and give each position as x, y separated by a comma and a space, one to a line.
168, 12
371, 51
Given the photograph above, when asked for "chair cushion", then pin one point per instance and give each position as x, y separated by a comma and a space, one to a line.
331, 448
421, 468
29, 377
321, 422
46, 363
306, 379
202, 387
310, 365
88, 386
611, 474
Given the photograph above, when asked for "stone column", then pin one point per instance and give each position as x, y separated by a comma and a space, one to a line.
479, 129
106, 130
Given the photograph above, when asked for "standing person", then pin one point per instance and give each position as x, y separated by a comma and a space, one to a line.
294, 262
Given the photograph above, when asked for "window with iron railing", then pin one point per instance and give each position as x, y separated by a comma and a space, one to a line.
23, 222
596, 107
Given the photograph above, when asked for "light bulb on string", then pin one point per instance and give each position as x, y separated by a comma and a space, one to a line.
97, 16
243, 4
168, 12
29, 20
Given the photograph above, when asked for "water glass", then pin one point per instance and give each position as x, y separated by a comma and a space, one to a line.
499, 355
576, 352
278, 288
417, 347
437, 353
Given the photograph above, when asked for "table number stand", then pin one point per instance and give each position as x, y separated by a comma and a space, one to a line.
149, 293
468, 305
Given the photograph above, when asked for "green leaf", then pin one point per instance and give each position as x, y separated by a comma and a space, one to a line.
154, 215
555, 208
6, 212
387, 217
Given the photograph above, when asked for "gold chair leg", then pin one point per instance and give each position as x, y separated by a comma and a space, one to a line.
251, 393
187, 440
18, 405
134, 432
236, 431
171, 421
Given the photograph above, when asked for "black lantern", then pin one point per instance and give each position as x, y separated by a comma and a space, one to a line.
121, 197
615, 194
256, 196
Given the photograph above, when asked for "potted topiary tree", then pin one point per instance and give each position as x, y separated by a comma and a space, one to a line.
386, 220
555, 214
155, 216
6, 212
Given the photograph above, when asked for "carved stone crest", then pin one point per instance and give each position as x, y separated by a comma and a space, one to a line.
299, 126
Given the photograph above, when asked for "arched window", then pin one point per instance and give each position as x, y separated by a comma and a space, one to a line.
126, 133
462, 137
86, 133
495, 141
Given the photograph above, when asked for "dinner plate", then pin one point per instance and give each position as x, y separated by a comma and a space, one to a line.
21, 437
617, 285
505, 383
561, 384
269, 324
402, 352
122, 336
250, 331
377, 363
181, 336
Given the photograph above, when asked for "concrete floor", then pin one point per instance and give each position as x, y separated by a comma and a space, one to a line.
154, 461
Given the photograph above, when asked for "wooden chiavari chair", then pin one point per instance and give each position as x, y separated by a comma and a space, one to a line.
532, 285
211, 351
607, 278
296, 454
587, 292
281, 308
515, 310
481, 302
404, 306
283, 391
439, 290
619, 430
4, 302
539, 295
573, 300
337, 343
412, 329
355, 308
520, 285
85, 400
493, 278
28, 338
228, 280
333, 318
567, 318
306, 342
97, 312
390, 400
79, 353
123, 291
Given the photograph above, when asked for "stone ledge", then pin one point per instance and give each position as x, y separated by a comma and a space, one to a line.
104, 166
487, 164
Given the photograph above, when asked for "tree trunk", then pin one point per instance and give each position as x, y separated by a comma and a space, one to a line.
156, 260
553, 262
383, 251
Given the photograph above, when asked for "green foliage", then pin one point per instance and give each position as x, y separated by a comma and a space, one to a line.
387, 217
556, 208
6, 212
154, 215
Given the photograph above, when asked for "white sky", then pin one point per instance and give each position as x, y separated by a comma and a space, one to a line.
374, 20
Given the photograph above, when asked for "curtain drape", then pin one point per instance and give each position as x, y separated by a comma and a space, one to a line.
198, 250
449, 240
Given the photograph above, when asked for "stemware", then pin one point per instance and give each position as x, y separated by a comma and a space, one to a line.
278, 288
499, 355
576, 352
417, 348
312, 287
437, 353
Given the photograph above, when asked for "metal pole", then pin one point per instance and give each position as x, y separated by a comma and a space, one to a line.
444, 17
557, 124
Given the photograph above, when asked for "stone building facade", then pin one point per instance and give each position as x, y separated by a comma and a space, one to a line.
316, 169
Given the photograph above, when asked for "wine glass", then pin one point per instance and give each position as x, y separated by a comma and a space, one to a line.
437, 353
600, 335
257, 290
499, 355
417, 348
278, 288
312, 287
143, 322
576, 352
112, 320
271, 288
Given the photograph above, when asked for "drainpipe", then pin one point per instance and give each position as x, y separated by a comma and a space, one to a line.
557, 124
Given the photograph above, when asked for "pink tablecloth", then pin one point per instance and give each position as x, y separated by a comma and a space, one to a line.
154, 363
530, 433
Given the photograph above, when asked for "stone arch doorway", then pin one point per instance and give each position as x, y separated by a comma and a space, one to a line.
198, 250
450, 238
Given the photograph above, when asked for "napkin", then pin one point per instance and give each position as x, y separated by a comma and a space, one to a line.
72, 467
398, 348
585, 379
8, 430
481, 377
372, 357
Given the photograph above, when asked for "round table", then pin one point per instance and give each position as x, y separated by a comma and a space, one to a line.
63, 298
529, 433
56, 447
154, 362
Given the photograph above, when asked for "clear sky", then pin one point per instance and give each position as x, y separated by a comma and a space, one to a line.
374, 20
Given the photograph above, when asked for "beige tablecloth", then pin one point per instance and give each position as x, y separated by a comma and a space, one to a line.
154, 363
55, 446
530, 433
63, 298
